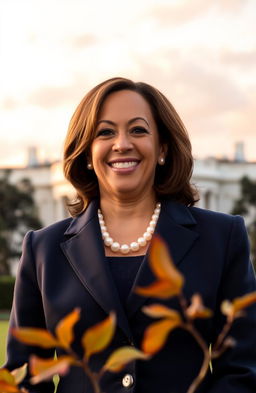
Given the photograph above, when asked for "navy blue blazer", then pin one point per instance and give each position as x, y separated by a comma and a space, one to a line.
63, 266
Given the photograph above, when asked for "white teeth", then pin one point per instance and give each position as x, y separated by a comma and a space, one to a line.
126, 164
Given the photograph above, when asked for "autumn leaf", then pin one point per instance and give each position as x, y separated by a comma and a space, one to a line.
119, 358
44, 369
244, 301
160, 311
156, 334
20, 373
234, 309
98, 337
64, 329
162, 263
160, 289
35, 336
197, 308
169, 280
6, 376
7, 388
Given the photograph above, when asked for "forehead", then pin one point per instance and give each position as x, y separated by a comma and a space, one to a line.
125, 104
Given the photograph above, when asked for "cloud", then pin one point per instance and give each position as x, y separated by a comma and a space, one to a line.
186, 11
57, 96
83, 41
172, 15
9, 103
245, 59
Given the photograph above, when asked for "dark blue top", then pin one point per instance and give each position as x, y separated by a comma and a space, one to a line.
124, 271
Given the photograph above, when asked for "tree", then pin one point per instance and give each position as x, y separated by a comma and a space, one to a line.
18, 214
246, 206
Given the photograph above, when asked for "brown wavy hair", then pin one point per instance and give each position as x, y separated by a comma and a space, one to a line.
172, 180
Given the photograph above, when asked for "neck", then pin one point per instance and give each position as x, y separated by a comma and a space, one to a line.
114, 208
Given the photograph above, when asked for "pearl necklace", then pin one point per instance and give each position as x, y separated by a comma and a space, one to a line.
134, 246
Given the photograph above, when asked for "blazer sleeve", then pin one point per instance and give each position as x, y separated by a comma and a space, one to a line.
235, 370
27, 311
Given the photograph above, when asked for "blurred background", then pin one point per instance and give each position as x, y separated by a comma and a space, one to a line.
200, 53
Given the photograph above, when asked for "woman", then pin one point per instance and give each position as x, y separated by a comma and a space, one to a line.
128, 155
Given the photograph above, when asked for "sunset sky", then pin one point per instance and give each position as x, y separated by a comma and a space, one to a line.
200, 53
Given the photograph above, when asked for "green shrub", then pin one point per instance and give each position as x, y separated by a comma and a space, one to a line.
6, 292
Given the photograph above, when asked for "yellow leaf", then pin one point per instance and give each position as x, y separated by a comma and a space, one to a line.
44, 369
244, 301
162, 263
197, 308
6, 388
20, 373
119, 358
161, 289
98, 337
156, 334
160, 311
35, 336
6, 376
64, 329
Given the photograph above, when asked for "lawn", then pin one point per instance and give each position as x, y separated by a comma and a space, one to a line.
3, 333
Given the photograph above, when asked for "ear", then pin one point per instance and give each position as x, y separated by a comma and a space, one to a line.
163, 149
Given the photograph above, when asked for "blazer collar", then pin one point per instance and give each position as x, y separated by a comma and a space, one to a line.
85, 253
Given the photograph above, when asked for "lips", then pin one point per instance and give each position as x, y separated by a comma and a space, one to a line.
124, 164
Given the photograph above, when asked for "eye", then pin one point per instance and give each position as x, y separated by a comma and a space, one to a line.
139, 130
105, 132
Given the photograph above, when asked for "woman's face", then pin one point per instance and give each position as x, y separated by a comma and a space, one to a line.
126, 147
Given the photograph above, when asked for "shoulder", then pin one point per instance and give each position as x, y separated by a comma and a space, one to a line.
213, 216
51, 233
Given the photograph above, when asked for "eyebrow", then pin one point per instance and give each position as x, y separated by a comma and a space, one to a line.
129, 122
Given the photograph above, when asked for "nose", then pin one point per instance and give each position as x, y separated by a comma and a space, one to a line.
122, 143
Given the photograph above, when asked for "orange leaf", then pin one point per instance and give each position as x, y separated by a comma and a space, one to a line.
244, 301
119, 358
162, 263
20, 373
6, 388
97, 338
35, 336
6, 376
197, 308
156, 334
44, 369
161, 289
160, 311
64, 329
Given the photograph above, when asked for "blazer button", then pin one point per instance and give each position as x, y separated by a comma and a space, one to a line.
127, 381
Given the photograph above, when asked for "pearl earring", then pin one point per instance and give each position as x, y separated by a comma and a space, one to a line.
161, 161
89, 166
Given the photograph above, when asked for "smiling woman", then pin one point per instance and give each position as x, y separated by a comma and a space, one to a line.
128, 155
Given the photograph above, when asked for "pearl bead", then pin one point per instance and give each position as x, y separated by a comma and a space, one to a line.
147, 236
155, 217
101, 222
150, 230
103, 228
134, 246
124, 249
142, 241
152, 223
158, 204
157, 210
105, 234
115, 246
108, 241
100, 216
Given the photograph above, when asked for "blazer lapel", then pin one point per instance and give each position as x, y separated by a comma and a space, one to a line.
175, 227
85, 253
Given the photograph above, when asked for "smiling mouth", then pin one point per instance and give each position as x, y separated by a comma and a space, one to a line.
124, 164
